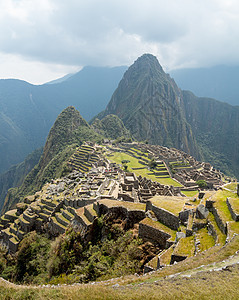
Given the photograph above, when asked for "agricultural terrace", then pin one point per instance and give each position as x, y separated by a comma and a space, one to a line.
190, 193
220, 204
140, 169
170, 203
126, 204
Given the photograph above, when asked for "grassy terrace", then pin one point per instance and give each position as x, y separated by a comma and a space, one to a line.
220, 203
159, 226
80, 213
171, 204
205, 285
153, 262
91, 210
221, 237
11, 213
206, 240
117, 157
233, 228
235, 204
185, 247
165, 258
190, 193
126, 204
232, 186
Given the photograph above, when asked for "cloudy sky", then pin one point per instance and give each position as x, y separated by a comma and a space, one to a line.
41, 40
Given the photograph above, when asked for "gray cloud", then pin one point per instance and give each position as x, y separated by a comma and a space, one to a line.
106, 32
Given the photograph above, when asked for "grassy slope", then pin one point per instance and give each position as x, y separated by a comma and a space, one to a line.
205, 285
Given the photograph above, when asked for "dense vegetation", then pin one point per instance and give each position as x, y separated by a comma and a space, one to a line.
113, 252
111, 127
216, 128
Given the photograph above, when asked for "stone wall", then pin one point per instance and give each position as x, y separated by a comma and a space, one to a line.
212, 231
164, 216
234, 215
177, 258
131, 216
154, 235
222, 226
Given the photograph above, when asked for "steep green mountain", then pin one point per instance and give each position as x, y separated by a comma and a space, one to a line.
27, 111
15, 175
68, 131
218, 82
148, 102
153, 108
111, 127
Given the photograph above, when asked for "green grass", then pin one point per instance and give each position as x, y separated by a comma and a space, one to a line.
220, 203
126, 204
117, 157
206, 240
235, 204
221, 237
190, 193
233, 228
232, 186
185, 247
172, 204
205, 285
159, 226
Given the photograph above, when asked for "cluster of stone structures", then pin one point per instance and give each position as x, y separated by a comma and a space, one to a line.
95, 187
179, 165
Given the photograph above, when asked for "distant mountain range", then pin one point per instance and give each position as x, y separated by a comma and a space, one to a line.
27, 111
218, 82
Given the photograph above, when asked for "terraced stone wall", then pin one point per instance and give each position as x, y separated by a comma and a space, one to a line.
154, 235
164, 216
234, 215
222, 226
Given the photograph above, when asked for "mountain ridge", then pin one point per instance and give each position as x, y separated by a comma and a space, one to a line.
153, 108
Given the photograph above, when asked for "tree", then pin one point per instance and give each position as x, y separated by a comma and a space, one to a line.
201, 183
152, 164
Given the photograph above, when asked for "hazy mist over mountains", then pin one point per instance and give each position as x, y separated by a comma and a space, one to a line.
28, 111
218, 82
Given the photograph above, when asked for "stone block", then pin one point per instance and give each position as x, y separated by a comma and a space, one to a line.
201, 212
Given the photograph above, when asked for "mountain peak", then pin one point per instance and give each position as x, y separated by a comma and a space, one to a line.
148, 102
146, 63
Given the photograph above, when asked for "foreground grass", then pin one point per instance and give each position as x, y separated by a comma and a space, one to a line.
205, 285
